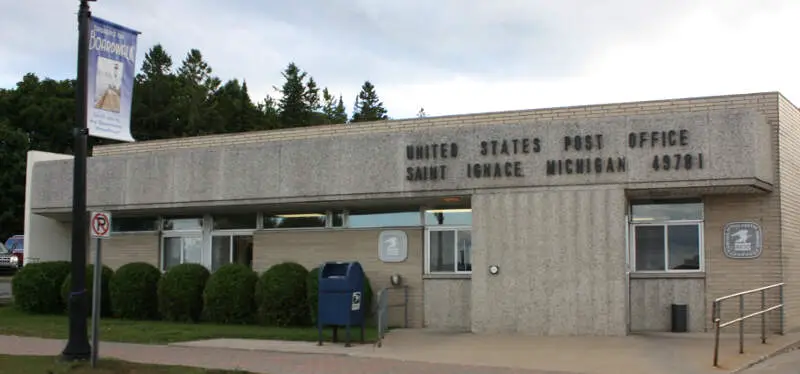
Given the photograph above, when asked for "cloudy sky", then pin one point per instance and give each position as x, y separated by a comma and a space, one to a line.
448, 56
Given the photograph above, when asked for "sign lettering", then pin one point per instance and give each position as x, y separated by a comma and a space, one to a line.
506, 157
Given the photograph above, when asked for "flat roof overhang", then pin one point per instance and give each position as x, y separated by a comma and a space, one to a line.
374, 204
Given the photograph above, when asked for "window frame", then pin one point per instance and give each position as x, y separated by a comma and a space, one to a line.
182, 233
265, 215
230, 234
195, 234
456, 229
665, 225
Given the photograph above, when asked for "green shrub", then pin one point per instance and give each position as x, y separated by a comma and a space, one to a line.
105, 295
36, 287
180, 292
312, 292
134, 291
366, 298
281, 296
229, 296
312, 298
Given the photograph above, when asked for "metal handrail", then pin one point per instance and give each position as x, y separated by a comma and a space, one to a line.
383, 311
718, 325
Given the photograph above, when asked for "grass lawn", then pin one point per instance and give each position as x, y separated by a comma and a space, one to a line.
14, 322
52, 365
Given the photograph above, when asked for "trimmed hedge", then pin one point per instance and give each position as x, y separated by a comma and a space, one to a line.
312, 291
36, 287
180, 292
312, 294
281, 296
134, 291
229, 296
105, 295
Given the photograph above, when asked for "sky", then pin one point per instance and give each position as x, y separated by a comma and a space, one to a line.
446, 56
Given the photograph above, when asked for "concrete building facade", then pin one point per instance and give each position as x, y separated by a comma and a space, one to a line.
589, 220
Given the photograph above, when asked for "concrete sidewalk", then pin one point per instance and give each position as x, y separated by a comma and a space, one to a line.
255, 361
653, 353
422, 352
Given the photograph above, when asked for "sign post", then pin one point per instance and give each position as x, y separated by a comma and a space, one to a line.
104, 88
101, 229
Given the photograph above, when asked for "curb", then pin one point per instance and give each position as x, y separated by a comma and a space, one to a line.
786, 348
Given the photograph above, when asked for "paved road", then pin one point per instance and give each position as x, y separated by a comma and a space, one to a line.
5, 289
787, 363
254, 361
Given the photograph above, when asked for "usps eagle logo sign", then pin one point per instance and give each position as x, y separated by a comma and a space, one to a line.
742, 240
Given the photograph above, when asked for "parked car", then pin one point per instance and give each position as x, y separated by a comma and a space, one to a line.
9, 262
16, 244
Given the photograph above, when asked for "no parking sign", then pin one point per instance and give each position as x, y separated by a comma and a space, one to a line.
100, 224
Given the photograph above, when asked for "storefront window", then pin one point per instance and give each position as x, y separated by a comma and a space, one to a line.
181, 250
667, 237
235, 221
448, 217
303, 220
449, 250
180, 223
134, 224
182, 241
227, 249
392, 219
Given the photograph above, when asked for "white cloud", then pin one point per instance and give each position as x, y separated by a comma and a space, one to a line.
449, 56
706, 51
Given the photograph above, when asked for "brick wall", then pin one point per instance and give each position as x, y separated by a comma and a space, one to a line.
312, 247
726, 276
121, 249
790, 208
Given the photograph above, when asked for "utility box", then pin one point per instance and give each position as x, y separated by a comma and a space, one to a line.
340, 298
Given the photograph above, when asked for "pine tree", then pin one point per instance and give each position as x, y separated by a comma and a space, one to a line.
368, 106
340, 113
153, 110
196, 85
312, 95
157, 63
293, 108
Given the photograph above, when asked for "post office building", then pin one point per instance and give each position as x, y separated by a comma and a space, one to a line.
586, 220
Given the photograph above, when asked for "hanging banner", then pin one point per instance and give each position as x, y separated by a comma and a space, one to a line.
112, 63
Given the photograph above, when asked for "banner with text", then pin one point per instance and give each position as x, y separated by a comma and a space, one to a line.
112, 63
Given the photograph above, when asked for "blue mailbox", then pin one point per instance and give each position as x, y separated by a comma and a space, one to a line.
340, 298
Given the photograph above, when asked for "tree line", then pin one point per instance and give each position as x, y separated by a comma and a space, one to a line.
168, 102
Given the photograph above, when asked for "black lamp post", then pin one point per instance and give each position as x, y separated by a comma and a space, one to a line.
78, 344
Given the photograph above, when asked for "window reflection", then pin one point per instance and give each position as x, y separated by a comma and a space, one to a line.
438, 217
649, 248
684, 247
133, 224
442, 255
235, 221
667, 212
182, 223
395, 219
303, 220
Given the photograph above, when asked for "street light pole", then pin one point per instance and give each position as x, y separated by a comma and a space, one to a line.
78, 344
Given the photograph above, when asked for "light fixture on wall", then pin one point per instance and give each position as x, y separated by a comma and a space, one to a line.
494, 269
396, 279
448, 210
301, 215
